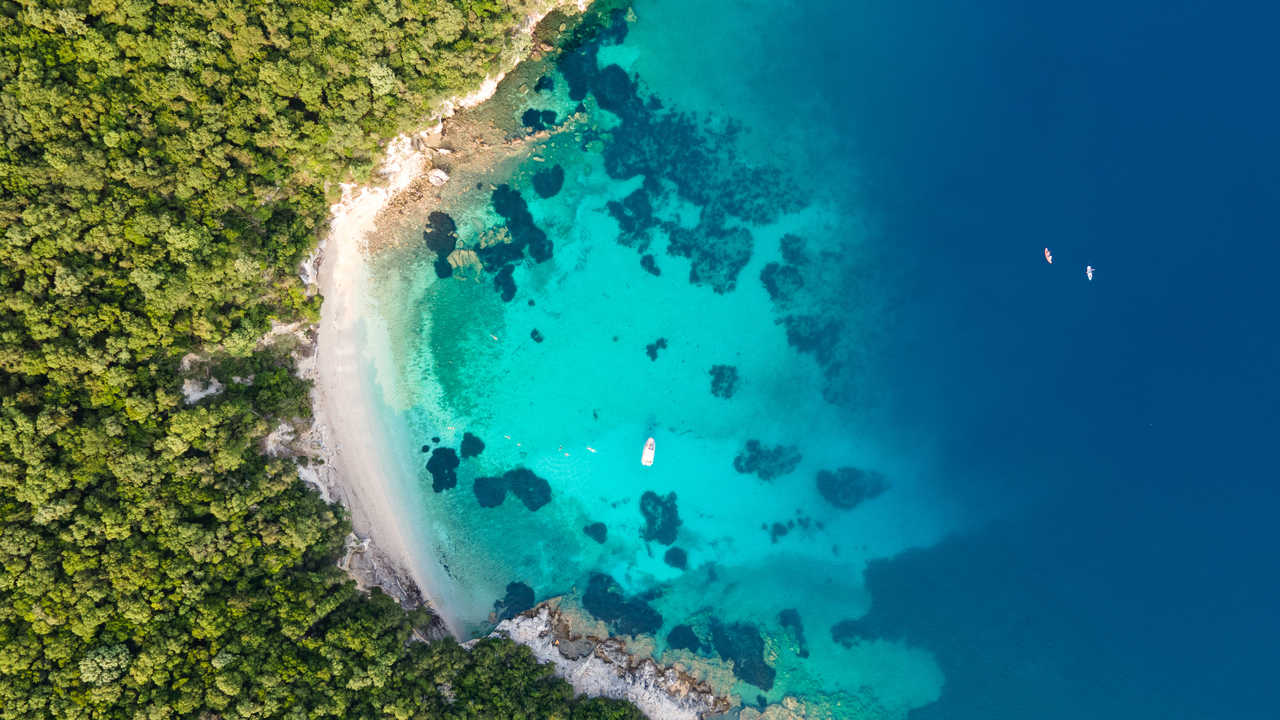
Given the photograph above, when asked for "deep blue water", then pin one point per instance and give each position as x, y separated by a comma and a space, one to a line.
1139, 412
1078, 519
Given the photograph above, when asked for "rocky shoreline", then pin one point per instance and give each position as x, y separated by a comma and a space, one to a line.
603, 667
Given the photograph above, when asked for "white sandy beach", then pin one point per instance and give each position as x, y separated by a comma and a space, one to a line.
360, 469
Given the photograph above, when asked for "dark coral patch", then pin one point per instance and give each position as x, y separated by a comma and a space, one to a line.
848, 487
519, 598
652, 348
525, 235
766, 462
597, 531
743, 644
781, 281
537, 120
545, 83
615, 91
471, 445
532, 490
650, 265
845, 633
718, 253
776, 531
625, 616
724, 380
682, 637
443, 466
790, 619
441, 233
635, 218
547, 182
442, 267
814, 335
792, 247
490, 491
676, 558
661, 517
504, 282
536, 336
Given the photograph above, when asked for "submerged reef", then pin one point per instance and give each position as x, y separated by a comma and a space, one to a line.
471, 446
624, 616
532, 490
743, 644
766, 462
597, 531
547, 182
718, 253
724, 380
441, 238
845, 633
661, 518
443, 465
519, 598
790, 619
848, 487
635, 219
676, 558
652, 348
781, 281
650, 265
682, 637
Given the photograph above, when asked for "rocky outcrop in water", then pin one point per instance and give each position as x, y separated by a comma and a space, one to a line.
766, 462
624, 615
661, 517
724, 381
743, 644
848, 487
602, 667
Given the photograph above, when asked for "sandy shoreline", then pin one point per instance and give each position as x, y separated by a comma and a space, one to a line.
357, 465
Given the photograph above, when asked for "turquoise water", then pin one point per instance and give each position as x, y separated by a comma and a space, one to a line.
818, 227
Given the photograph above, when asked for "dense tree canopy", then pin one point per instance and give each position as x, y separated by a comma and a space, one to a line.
162, 172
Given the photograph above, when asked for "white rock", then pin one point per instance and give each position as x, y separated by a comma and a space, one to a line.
437, 177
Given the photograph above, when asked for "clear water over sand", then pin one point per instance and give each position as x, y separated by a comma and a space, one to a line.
809, 270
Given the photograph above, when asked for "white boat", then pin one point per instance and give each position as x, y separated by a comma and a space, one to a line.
1048, 256
650, 447
1088, 271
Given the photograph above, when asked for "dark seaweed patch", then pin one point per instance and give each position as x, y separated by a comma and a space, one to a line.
845, 633
532, 490
443, 465
548, 181
724, 380
635, 218
625, 616
519, 598
790, 619
766, 462
676, 558
536, 336
650, 266
652, 348
792, 247
597, 531
661, 517
682, 637
545, 83
441, 233
490, 491
848, 487
504, 282
743, 644
814, 335
471, 446
781, 281
776, 531
718, 253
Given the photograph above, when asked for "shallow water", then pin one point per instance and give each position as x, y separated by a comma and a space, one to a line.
834, 250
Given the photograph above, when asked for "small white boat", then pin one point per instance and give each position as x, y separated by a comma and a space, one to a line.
650, 447
1048, 256
1088, 271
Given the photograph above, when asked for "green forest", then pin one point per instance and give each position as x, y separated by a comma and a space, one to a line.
164, 167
